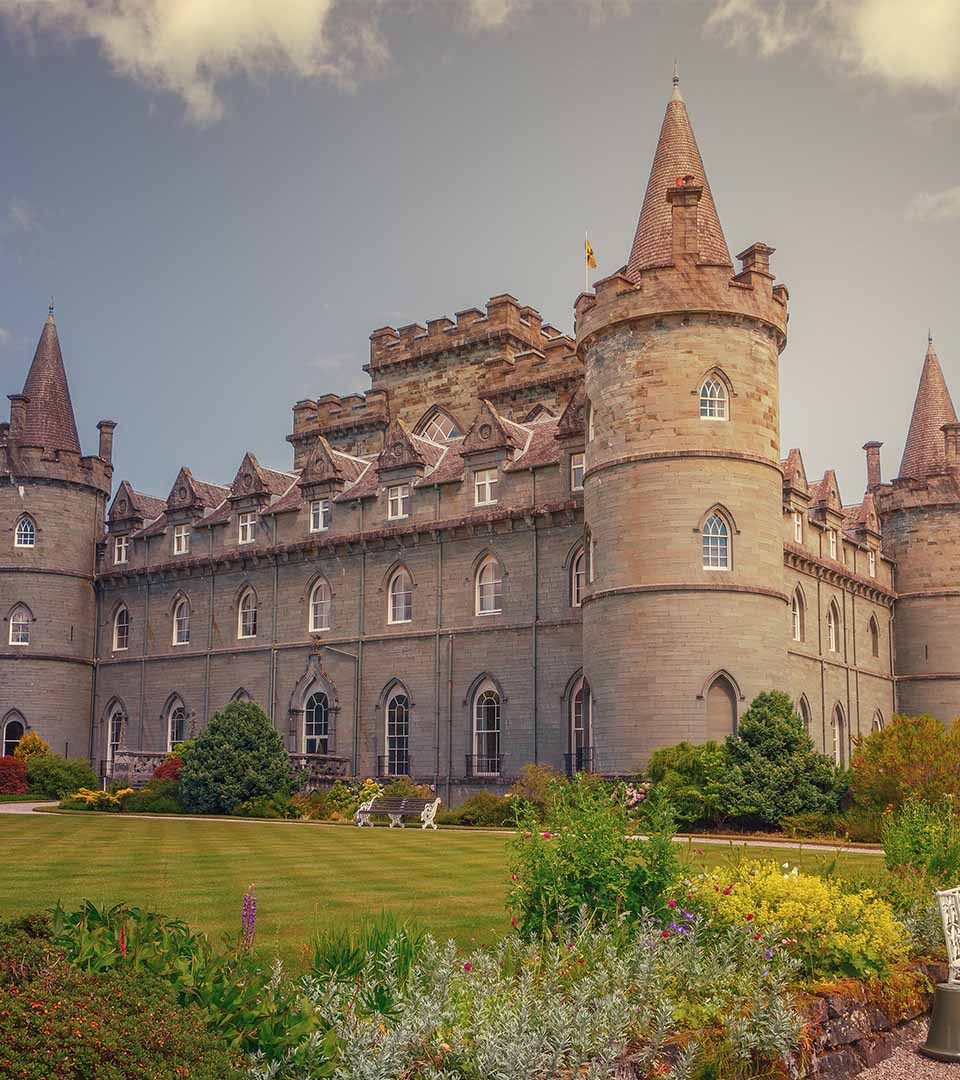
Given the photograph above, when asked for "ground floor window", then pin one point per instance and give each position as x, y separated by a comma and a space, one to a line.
316, 725
398, 736
13, 730
486, 731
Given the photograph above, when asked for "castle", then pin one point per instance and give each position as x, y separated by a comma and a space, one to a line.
514, 547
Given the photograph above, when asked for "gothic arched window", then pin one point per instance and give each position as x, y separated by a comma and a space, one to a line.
13, 729
247, 615
400, 592
833, 627
486, 730
798, 614
838, 724
26, 532
578, 577
438, 426
716, 543
121, 629
398, 735
316, 724
713, 400
320, 599
874, 636
489, 588
19, 626
181, 622
176, 723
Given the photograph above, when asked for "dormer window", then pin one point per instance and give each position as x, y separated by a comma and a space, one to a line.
872, 560
485, 487
121, 548
576, 471
181, 539
398, 501
833, 543
798, 527
320, 515
247, 527
26, 533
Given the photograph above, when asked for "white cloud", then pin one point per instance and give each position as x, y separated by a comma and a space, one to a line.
912, 45
935, 206
5, 337
21, 217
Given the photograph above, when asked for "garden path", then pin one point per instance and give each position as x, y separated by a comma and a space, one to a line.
22, 807
907, 1064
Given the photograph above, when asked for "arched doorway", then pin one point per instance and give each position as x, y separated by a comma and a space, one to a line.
721, 709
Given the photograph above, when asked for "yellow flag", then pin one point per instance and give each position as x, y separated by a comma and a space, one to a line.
591, 259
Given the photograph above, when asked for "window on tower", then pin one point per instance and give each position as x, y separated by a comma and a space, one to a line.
713, 400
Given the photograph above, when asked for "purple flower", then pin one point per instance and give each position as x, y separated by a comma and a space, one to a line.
768, 954
674, 927
688, 915
248, 916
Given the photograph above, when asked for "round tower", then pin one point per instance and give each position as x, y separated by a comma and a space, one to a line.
52, 502
685, 616
920, 515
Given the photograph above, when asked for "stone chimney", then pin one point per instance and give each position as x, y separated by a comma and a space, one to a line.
951, 445
873, 464
683, 198
105, 453
18, 416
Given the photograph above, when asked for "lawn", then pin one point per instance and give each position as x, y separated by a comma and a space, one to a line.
307, 876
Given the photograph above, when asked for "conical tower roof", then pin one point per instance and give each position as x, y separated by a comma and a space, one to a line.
49, 421
924, 452
677, 156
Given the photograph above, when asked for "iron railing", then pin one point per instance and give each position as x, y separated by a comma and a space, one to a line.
480, 765
580, 760
396, 763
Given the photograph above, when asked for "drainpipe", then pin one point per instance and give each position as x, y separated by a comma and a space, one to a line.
357, 681
449, 714
273, 630
536, 617
436, 661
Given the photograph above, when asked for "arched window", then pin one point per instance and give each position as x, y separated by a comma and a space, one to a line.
713, 400
438, 426
26, 532
400, 609
176, 723
833, 627
316, 724
247, 615
838, 724
803, 708
114, 736
721, 709
241, 695
580, 728
121, 629
877, 722
716, 543
874, 636
19, 626
798, 614
489, 590
13, 730
578, 577
398, 736
486, 731
181, 622
320, 607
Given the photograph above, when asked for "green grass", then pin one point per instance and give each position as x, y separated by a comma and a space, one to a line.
307, 876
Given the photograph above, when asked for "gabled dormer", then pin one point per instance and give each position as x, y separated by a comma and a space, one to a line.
492, 439
131, 510
322, 475
826, 510
796, 490
254, 486
403, 455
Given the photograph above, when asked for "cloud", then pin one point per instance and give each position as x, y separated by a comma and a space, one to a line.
935, 206
21, 217
913, 46
6, 337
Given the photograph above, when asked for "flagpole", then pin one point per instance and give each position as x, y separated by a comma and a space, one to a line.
586, 263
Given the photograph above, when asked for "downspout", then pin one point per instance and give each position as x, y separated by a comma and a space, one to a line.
449, 714
273, 630
357, 673
206, 681
98, 601
436, 654
536, 618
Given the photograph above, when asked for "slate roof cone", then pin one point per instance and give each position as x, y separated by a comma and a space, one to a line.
677, 156
50, 422
924, 453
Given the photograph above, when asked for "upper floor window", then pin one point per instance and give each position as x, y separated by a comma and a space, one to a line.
248, 527
576, 471
320, 607
489, 600
713, 400
798, 526
121, 630
439, 426
591, 557
115, 735
590, 431
716, 543
320, 515
181, 539
181, 622
798, 615
26, 533
19, 626
872, 562
833, 543
398, 501
401, 597
804, 709
485, 487
176, 724
247, 615
316, 724
578, 577
874, 636
121, 549
833, 627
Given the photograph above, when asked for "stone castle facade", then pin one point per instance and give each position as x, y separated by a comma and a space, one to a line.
514, 547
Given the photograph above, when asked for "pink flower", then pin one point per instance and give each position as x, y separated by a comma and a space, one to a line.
546, 836
513, 922
664, 933
727, 891
570, 945
513, 877
671, 903
468, 966
750, 917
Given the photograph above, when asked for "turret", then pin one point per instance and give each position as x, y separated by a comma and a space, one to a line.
683, 620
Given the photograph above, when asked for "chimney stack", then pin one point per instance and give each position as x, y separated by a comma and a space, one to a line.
105, 453
18, 416
683, 198
873, 464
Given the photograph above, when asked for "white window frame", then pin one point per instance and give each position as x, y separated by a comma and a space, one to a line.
401, 574
872, 562
578, 464
833, 543
181, 622
114, 734
321, 602
839, 732
398, 502
117, 647
488, 594
316, 727
484, 487
19, 621
176, 706
798, 527
714, 404
121, 549
246, 527
590, 422
439, 427
873, 625
833, 627
320, 515
487, 691
244, 608
578, 577
25, 533
397, 734
715, 543
7, 744
797, 612
181, 539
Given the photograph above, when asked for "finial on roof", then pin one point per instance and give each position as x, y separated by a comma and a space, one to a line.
676, 95
929, 337
50, 308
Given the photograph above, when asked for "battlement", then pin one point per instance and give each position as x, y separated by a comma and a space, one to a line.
65, 466
909, 493
334, 416
505, 319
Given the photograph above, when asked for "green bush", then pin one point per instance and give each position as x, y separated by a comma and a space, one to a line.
403, 787
274, 807
239, 756
923, 838
52, 777
483, 808
804, 826
155, 797
691, 778
536, 785
341, 801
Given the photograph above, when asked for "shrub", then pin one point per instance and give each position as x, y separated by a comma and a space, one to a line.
169, 769
275, 807
831, 932
536, 786
31, 745
341, 801
87, 799
52, 777
403, 787
13, 776
313, 806
923, 839
483, 808
691, 778
155, 797
813, 824
238, 757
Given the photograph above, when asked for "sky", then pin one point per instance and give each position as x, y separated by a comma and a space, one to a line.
225, 197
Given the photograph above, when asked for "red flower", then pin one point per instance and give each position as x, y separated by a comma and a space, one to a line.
750, 916
546, 836
468, 966
671, 903
758, 937
513, 922
664, 933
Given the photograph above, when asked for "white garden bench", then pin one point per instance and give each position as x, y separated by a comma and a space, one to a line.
950, 911
396, 809
943, 1037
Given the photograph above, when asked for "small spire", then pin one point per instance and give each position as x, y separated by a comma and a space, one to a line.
50, 310
929, 337
676, 95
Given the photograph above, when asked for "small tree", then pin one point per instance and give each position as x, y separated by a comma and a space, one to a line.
239, 756
693, 779
775, 771
31, 745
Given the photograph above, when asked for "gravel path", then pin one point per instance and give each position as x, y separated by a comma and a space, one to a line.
907, 1064
22, 807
